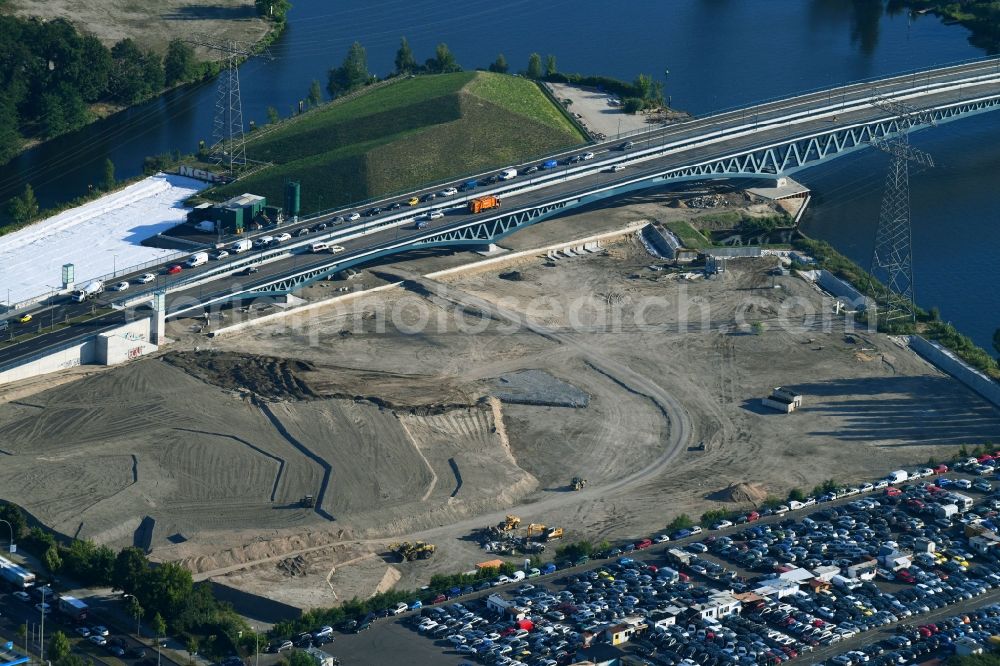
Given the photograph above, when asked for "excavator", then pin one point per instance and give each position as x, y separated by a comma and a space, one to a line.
408, 552
509, 523
535, 529
578, 483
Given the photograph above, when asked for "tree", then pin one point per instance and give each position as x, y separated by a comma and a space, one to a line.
127, 82
109, 174
405, 62
10, 135
59, 646
158, 626
444, 60
272, 115
130, 569
52, 560
23, 209
632, 105
273, 9
315, 97
534, 66
352, 74
15, 516
996, 340
796, 495
499, 65
92, 80
179, 63
550, 65
153, 73
165, 589
681, 522
644, 86
191, 645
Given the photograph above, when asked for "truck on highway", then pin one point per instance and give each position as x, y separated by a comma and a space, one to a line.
90, 290
73, 608
241, 246
508, 174
479, 204
197, 259
16, 576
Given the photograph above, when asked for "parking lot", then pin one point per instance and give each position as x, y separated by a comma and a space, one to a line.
851, 578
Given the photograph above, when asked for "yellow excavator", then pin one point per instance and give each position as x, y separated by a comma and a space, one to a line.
535, 530
509, 524
408, 552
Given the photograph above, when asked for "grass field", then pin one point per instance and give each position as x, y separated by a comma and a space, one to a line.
690, 236
403, 135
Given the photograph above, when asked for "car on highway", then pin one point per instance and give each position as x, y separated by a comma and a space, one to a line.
121, 286
281, 238
25, 318
146, 277
21, 595
339, 219
354, 216
430, 196
435, 215
336, 249
371, 212
615, 168
587, 156
626, 145
448, 192
220, 254
174, 269
322, 225
414, 201
304, 231
263, 241
531, 169
139, 652
249, 270
97, 639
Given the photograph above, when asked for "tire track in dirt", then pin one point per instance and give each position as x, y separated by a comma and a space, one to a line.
434, 476
280, 461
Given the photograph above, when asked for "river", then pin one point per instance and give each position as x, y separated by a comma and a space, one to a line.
719, 53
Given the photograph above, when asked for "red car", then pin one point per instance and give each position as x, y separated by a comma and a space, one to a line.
173, 270
941, 469
905, 576
440, 599
645, 543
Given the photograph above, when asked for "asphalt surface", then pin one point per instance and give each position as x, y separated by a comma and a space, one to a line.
690, 132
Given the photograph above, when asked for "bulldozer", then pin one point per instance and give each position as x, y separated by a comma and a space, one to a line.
535, 529
408, 552
578, 483
307, 502
554, 533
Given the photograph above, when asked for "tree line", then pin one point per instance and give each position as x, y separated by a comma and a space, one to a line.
50, 74
353, 73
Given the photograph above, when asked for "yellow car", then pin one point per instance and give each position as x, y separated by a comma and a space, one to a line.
413, 202
25, 319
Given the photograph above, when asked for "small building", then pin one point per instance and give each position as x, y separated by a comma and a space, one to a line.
896, 560
505, 607
321, 658
984, 543
826, 572
719, 604
617, 634
777, 588
864, 570
798, 575
783, 400
924, 545
661, 619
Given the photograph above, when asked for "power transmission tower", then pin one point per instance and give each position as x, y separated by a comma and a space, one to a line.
229, 147
892, 256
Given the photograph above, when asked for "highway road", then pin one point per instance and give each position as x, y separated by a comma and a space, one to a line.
676, 145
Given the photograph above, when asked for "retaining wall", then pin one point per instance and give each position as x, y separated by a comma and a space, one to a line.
946, 361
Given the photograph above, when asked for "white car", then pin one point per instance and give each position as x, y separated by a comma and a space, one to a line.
336, 249
722, 524
121, 286
661, 538
99, 630
448, 192
97, 639
435, 215
400, 609
281, 238
21, 595
148, 277
220, 254
616, 168
354, 216
587, 156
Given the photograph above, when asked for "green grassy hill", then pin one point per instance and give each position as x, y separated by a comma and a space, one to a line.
405, 134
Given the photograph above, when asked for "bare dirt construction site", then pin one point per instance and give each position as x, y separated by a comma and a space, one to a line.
152, 24
432, 409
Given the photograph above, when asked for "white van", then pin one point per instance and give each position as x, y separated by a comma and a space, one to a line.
197, 259
508, 174
319, 246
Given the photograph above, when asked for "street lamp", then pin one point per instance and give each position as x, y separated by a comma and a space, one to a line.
114, 264
137, 611
13, 548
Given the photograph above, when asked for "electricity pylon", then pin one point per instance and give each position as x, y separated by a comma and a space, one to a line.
892, 256
229, 146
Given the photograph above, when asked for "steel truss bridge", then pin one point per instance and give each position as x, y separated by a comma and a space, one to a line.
785, 148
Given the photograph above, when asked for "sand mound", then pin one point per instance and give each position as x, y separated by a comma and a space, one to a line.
741, 493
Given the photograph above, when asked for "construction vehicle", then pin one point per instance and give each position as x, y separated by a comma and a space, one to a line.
307, 502
578, 483
418, 550
554, 533
509, 523
479, 204
532, 547
535, 529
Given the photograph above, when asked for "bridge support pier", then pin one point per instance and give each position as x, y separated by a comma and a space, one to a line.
488, 249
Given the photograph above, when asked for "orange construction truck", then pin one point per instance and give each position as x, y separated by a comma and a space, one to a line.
479, 204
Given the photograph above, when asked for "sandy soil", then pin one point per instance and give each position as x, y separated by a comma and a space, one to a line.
153, 24
383, 410
591, 109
